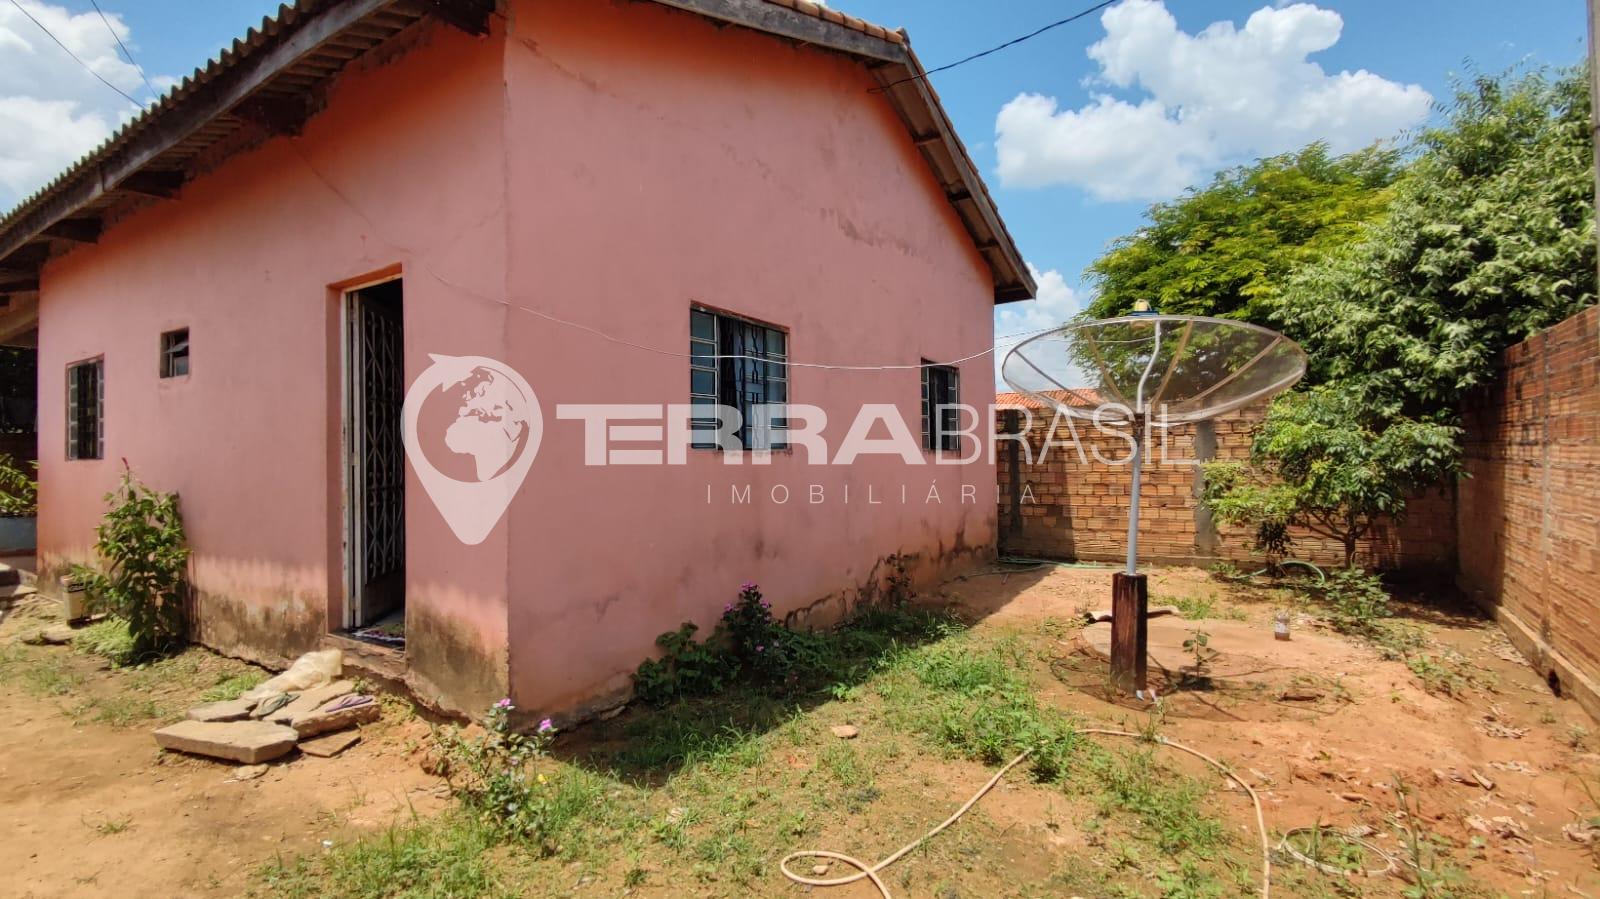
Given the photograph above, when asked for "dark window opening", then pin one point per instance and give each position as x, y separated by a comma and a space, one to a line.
86, 410
941, 420
743, 365
175, 353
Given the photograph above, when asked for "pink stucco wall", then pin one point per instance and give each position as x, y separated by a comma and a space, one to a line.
402, 168
608, 163
657, 161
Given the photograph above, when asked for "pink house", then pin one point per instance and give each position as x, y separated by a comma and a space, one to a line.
234, 293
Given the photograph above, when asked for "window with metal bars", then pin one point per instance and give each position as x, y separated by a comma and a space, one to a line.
175, 353
941, 394
741, 364
86, 409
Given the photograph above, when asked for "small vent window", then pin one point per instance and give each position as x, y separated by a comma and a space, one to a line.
175, 353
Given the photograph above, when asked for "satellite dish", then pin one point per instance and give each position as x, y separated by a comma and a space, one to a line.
1150, 370
1168, 369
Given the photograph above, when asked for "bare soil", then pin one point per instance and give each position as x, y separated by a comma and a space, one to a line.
1353, 723
92, 809
1324, 725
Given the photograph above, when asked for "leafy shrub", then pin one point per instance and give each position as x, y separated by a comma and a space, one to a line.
686, 668
748, 646
19, 489
490, 774
143, 555
1356, 600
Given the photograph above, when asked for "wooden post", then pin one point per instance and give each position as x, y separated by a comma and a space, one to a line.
1130, 600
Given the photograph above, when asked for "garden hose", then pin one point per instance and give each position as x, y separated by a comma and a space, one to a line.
870, 871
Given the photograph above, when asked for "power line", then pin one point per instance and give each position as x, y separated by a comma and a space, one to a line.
996, 49
131, 61
74, 56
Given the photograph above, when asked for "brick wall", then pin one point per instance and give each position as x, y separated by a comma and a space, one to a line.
1530, 510
1074, 502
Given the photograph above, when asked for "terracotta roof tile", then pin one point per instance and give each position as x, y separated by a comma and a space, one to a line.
1077, 396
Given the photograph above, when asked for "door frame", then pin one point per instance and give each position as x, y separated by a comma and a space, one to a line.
349, 486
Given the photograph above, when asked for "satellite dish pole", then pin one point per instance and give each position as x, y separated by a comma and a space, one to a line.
1130, 590
1192, 368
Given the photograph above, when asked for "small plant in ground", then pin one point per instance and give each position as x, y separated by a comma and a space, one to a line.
1198, 644
1577, 736
750, 646
490, 773
1356, 601
143, 556
1430, 875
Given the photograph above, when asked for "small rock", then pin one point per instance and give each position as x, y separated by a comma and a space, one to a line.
435, 763
819, 870
251, 742
613, 712
227, 710
330, 745
845, 731
54, 635
249, 772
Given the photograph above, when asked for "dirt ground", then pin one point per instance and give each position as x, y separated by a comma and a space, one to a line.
88, 808
1322, 725
1353, 721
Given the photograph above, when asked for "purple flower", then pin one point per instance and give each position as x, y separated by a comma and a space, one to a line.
747, 586
765, 604
545, 726
728, 607
759, 647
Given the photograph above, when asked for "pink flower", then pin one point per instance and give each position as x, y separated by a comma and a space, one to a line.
545, 726
747, 586
759, 647
504, 703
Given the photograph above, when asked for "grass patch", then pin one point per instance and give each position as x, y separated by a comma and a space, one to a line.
705, 793
1195, 607
231, 686
108, 638
445, 857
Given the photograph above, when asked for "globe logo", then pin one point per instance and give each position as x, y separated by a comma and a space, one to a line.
471, 426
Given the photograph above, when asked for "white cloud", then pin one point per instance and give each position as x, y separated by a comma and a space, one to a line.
1057, 303
1215, 98
51, 110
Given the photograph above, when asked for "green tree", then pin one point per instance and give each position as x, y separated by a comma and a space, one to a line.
1227, 249
1489, 239
1325, 461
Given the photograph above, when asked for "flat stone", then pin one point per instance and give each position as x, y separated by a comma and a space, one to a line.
54, 635
320, 722
327, 747
250, 742
845, 731
311, 700
226, 710
249, 772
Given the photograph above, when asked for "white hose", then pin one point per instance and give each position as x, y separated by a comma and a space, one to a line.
870, 872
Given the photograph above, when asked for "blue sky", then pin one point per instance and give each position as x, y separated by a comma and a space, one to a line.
1100, 117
